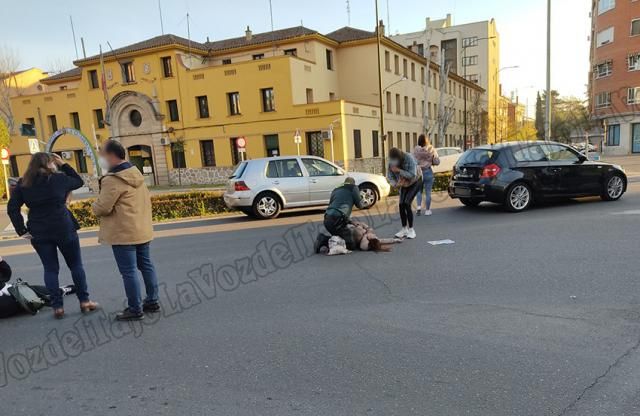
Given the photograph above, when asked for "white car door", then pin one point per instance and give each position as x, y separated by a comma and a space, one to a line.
286, 176
323, 179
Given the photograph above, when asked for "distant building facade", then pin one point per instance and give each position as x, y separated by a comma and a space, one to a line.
614, 80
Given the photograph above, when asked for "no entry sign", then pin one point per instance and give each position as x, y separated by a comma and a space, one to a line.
241, 142
4, 155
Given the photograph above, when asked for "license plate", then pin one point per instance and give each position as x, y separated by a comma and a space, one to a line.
463, 191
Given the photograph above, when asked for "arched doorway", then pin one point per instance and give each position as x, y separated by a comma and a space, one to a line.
141, 156
88, 147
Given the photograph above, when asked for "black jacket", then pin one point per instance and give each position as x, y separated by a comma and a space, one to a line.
46, 199
343, 198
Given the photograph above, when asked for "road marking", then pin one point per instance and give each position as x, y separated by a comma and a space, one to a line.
628, 212
441, 242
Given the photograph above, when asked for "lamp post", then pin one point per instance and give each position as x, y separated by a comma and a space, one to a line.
380, 90
547, 119
495, 114
466, 89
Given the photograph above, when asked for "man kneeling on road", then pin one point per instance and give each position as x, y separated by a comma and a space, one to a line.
338, 214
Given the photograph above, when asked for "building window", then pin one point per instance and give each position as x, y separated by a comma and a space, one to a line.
128, 76
389, 140
387, 61
167, 72
420, 49
226, 61
604, 69
604, 37
389, 102
406, 105
208, 153
399, 140
603, 100
634, 62
415, 139
272, 145
375, 143
470, 41
13, 166
309, 96
605, 5
329, 54
405, 71
473, 78
633, 95
635, 27
177, 156
398, 106
357, 144
75, 120
470, 60
203, 106
332, 96
613, 135
258, 56
81, 161
99, 116
291, 52
268, 100
235, 153
234, 103
413, 107
422, 75
407, 142
422, 108
172, 107
413, 71
396, 63
93, 79
53, 123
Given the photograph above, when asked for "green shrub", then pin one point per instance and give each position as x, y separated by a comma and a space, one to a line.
440, 183
164, 207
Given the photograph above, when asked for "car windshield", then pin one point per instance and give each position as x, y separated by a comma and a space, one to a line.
239, 171
476, 157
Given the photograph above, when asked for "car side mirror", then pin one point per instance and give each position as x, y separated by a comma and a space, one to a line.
582, 158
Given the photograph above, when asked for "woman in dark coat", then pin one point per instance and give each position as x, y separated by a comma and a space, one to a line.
51, 226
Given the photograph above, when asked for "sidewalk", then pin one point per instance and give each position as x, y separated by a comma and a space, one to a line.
631, 164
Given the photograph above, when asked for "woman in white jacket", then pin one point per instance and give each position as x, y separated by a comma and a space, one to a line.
426, 156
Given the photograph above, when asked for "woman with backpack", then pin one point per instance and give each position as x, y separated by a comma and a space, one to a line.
44, 189
426, 156
403, 173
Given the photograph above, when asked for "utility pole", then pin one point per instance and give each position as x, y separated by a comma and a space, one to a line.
382, 130
547, 120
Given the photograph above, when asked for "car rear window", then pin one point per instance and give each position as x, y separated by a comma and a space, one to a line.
239, 171
477, 157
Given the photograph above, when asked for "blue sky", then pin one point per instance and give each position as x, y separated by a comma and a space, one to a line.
41, 33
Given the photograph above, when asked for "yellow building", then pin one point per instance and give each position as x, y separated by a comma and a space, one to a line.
178, 106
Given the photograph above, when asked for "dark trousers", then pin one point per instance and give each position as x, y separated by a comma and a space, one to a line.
69, 246
407, 195
130, 259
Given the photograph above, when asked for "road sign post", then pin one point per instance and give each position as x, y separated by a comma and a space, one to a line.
241, 145
5, 155
297, 138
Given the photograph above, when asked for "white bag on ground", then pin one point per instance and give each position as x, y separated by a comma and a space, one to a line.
337, 246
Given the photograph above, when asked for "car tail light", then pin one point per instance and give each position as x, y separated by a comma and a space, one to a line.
240, 186
490, 171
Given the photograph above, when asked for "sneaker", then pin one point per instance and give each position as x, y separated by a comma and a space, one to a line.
402, 233
151, 307
411, 233
419, 211
129, 315
428, 212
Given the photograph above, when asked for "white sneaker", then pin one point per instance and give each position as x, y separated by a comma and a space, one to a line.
402, 233
411, 233
419, 211
428, 212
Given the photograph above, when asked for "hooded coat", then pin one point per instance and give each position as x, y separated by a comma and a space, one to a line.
124, 207
426, 157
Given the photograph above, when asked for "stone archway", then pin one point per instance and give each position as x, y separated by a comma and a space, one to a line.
136, 121
88, 147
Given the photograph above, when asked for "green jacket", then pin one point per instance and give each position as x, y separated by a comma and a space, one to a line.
343, 198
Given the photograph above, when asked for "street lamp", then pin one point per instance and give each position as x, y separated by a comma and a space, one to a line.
404, 78
495, 114
466, 89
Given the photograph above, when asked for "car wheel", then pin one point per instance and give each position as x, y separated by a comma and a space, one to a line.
369, 195
613, 188
470, 202
519, 197
266, 206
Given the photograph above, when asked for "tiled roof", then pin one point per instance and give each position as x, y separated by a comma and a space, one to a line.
347, 34
163, 40
258, 38
72, 73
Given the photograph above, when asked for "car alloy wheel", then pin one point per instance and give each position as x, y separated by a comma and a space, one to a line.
615, 187
266, 206
519, 197
368, 195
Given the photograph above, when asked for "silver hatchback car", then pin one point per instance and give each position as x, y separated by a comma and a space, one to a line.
263, 187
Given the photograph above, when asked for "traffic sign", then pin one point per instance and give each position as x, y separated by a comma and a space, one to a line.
34, 146
241, 143
297, 138
4, 154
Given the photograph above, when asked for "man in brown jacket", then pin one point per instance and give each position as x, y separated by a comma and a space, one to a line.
124, 209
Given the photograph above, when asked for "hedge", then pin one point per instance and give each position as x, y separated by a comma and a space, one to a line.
173, 206
440, 183
164, 207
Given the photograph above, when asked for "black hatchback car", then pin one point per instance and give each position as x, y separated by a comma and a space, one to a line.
516, 174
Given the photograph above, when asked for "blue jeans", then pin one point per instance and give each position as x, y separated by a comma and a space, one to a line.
69, 246
427, 182
130, 259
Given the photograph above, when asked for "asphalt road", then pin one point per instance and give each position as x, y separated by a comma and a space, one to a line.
526, 314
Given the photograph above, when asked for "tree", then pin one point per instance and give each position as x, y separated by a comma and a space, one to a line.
5, 140
539, 117
9, 64
446, 107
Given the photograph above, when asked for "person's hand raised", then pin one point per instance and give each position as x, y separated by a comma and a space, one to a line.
57, 159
